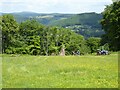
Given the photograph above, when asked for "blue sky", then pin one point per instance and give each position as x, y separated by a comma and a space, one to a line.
54, 6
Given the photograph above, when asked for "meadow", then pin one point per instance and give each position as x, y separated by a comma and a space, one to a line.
87, 71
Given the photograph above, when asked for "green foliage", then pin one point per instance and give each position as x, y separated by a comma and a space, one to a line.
111, 26
93, 43
30, 37
9, 31
30, 32
104, 47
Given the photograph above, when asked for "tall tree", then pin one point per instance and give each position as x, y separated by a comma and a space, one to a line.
111, 26
9, 31
30, 32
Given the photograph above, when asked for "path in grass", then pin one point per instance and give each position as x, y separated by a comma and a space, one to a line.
87, 71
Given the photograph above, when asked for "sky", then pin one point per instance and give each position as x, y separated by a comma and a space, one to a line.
53, 6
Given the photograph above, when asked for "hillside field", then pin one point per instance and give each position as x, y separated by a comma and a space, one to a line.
87, 71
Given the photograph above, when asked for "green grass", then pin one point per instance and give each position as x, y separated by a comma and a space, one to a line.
88, 71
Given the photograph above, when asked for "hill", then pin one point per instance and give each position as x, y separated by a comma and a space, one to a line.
86, 24
43, 18
90, 19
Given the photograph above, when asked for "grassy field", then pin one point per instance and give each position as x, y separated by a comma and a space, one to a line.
88, 71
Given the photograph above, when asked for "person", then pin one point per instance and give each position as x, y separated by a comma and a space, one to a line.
73, 52
98, 52
78, 52
62, 52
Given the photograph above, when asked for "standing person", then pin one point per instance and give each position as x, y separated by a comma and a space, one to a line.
62, 53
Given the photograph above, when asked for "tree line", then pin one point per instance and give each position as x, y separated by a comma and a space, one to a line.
31, 37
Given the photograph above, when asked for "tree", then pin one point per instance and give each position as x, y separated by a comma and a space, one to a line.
30, 32
93, 43
9, 32
111, 26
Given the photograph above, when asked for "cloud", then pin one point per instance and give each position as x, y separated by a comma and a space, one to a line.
54, 6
